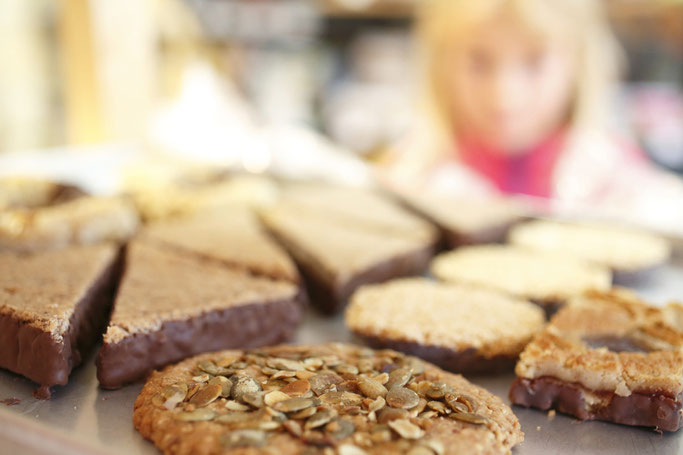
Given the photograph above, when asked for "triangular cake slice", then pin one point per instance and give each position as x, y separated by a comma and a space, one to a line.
466, 221
53, 307
337, 256
232, 236
363, 208
171, 305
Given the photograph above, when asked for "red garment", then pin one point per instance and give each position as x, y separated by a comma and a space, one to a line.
527, 173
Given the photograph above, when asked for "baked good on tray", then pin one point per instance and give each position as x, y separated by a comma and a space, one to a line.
171, 304
607, 356
233, 236
53, 307
466, 221
631, 254
360, 207
546, 279
338, 252
458, 327
79, 221
28, 192
331, 398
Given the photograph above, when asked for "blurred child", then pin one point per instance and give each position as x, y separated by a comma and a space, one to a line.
516, 100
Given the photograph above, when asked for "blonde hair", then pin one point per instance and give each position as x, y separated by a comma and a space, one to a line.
442, 22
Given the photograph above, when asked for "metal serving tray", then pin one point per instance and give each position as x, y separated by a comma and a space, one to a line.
82, 419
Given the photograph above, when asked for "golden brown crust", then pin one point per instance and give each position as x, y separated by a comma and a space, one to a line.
524, 273
457, 317
569, 347
497, 435
618, 248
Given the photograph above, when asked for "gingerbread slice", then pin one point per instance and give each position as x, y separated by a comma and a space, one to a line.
458, 327
631, 254
331, 398
544, 278
607, 356
171, 305
233, 236
53, 308
336, 255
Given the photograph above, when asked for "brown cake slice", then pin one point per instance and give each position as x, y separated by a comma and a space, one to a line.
466, 221
607, 356
361, 208
53, 307
336, 255
171, 305
233, 236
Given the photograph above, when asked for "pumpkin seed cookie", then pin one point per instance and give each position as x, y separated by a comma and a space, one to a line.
545, 279
607, 356
327, 399
632, 255
458, 327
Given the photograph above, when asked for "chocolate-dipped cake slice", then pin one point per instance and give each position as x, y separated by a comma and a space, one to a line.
336, 257
460, 328
233, 236
171, 305
466, 221
53, 307
607, 356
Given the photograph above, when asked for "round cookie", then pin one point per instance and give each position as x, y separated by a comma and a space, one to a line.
332, 398
631, 255
545, 279
458, 327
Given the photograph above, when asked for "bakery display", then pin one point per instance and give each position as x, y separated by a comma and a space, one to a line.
81, 221
607, 356
457, 327
632, 255
331, 398
172, 304
336, 257
544, 278
232, 236
466, 221
53, 307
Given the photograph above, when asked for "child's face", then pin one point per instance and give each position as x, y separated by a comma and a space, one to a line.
510, 89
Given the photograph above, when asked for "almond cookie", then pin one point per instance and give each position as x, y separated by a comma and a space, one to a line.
632, 255
458, 327
607, 356
546, 279
331, 398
